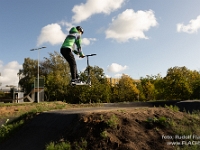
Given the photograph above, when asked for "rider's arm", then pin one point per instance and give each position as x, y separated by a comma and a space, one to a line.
78, 44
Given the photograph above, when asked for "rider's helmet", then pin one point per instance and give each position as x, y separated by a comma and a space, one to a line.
79, 28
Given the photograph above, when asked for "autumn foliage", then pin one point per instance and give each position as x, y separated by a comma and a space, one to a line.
179, 83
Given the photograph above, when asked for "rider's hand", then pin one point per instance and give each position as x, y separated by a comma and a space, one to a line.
81, 55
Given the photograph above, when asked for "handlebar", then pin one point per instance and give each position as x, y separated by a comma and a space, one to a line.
90, 55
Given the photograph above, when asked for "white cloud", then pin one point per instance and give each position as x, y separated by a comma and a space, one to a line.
66, 24
52, 34
192, 27
114, 67
1, 64
87, 41
9, 73
131, 25
84, 11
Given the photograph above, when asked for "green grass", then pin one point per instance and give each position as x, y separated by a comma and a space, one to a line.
23, 115
66, 145
60, 146
104, 134
188, 125
20, 109
9, 128
161, 121
39, 107
112, 122
173, 108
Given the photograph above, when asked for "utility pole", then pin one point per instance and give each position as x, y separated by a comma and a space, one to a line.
0, 82
38, 49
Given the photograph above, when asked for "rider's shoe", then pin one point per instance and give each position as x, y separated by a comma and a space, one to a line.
75, 81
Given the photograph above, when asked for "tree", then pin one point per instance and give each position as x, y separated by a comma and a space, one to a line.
195, 84
98, 92
159, 85
57, 77
178, 83
54, 70
28, 74
148, 87
126, 89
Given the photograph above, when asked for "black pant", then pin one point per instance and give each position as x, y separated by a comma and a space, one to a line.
67, 54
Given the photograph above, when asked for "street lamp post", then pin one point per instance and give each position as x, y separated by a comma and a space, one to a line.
38, 69
0, 82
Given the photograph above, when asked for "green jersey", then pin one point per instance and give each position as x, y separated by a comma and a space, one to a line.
73, 40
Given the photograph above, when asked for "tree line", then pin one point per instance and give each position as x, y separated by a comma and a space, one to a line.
179, 83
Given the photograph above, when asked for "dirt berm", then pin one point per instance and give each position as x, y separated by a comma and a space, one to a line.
76, 125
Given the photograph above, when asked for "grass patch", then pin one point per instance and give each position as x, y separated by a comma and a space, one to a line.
10, 110
112, 122
188, 125
9, 128
173, 108
155, 122
60, 146
104, 134
66, 145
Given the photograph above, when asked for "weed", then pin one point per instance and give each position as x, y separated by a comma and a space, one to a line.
101, 117
190, 126
173, 108
188, 147
112, 122
66, 145
122, 111
83, 144
60, 146
172, 123
156, 129
196, 114
9, 127
104, 134
162, 121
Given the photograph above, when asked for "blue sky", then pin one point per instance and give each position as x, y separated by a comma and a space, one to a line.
133, 37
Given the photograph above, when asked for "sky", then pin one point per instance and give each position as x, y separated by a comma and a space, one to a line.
137, 38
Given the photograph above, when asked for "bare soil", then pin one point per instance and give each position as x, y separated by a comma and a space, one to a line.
132, 131
101, 129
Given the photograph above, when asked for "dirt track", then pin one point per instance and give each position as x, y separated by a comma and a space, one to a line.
46, 127
41, 130
49, 126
